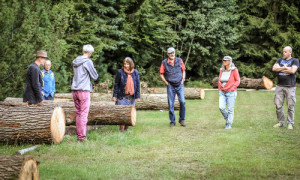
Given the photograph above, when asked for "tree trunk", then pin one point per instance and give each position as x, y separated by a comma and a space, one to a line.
147, 102
189, 93
19, 167
99, 114
31, 124
262, 83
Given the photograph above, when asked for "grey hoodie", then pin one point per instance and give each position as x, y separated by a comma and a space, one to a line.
84, 71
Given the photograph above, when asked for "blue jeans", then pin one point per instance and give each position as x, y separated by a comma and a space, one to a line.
172, 91
228, 99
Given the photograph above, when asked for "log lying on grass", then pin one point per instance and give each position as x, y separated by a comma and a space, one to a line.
155, 102
262, 83
99, 114
19, 167
148, 101
31, 124
189, 93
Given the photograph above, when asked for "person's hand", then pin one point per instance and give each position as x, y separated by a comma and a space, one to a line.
42, 93
138, 100
114, 99
40, 104
166, 83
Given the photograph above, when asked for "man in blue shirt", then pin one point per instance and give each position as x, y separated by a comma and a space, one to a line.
48, 89
286, 67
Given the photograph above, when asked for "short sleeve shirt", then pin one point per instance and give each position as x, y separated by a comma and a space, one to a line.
288, 80
162, 67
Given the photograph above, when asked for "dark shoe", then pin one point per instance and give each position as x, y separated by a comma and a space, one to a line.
172, 125
182, 123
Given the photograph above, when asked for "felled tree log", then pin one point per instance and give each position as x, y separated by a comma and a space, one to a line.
155, 102
147, 102
31, 124
101, 97
19, 167
189, 93
262, 83
100, 113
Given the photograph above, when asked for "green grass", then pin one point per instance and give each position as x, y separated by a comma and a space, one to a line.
252, 149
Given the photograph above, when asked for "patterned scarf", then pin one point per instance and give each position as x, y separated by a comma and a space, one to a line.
129, 89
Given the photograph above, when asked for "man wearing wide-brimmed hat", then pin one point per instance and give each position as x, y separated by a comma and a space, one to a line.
34, 80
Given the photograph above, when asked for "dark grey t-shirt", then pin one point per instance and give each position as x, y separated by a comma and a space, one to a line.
288, 80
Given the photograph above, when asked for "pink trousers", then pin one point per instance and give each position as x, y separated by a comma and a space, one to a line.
82, 106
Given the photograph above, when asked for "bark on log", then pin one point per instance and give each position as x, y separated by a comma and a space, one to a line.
189, 93
18, 167
262, 83
31, 124
147, 102
155, 102
99, 114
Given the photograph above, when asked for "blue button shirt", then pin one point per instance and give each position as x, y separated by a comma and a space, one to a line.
49, 83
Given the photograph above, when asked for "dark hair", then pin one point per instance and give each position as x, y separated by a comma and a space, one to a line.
130, 62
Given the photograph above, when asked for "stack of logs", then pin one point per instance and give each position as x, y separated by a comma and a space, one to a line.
22, 123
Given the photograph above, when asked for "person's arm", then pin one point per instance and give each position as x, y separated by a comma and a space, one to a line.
91, 69
237, 80
183, 71
183, 77
36, 85
277, 68
162, 71
290, 70
138, 92
220, 87
163, 79
53, 85
116, 86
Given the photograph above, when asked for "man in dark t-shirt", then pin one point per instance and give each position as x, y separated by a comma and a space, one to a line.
286, 67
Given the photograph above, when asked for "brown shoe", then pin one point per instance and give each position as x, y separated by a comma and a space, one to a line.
182, 123
172, 125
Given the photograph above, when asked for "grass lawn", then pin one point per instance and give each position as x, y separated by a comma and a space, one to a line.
252, 149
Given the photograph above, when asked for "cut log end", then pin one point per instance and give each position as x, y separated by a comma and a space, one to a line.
58, 125
268, 83
133, 115
29, 169
202, 93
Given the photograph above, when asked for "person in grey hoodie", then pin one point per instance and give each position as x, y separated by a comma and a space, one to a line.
84, 71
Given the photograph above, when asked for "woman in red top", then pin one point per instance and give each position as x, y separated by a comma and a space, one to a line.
229, 80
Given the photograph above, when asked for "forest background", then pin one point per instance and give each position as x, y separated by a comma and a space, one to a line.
253, 32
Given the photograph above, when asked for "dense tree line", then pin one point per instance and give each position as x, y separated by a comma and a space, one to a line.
253, 32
